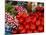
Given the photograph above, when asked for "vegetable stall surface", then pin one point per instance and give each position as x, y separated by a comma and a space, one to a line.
23, 21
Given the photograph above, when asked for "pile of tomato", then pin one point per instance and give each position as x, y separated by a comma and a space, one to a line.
33, 22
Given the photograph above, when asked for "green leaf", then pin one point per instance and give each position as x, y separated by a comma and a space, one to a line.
8, 7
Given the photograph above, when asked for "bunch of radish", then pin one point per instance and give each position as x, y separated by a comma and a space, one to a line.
11, 23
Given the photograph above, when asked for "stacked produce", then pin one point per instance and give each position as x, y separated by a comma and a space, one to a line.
24, 22
31, 23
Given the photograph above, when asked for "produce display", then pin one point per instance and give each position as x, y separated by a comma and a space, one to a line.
24, 17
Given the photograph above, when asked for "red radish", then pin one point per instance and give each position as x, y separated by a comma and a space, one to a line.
40, 28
